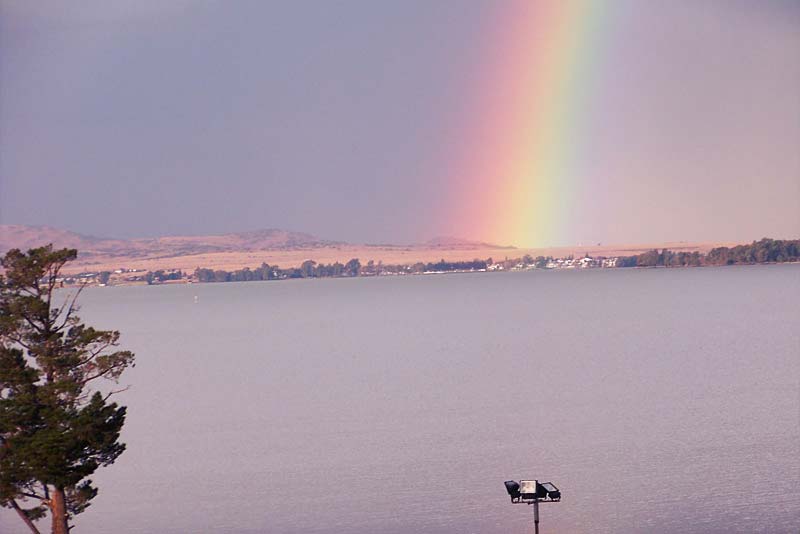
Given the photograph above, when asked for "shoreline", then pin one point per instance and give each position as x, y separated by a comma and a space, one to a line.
389, 254
345, 262
430, 273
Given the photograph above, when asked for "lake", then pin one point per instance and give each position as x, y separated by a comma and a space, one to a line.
656, 399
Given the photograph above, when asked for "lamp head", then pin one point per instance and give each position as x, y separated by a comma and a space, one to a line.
552, 491
512, 487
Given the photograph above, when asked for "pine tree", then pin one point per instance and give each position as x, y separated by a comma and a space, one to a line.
55, 429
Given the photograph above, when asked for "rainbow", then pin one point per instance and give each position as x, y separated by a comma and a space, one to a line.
517, 166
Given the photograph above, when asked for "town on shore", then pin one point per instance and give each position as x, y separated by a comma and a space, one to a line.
764, 251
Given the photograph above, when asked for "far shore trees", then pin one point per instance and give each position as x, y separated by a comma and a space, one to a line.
763, 251
55, 429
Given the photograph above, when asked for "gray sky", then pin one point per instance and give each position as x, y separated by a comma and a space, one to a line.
141, 118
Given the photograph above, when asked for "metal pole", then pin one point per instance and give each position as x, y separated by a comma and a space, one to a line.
536, 516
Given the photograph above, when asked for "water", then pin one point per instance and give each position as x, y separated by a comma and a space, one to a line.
657, 400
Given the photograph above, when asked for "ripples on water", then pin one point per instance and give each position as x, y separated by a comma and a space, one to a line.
657, 400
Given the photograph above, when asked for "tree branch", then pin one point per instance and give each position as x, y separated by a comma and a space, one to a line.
32, 496
114, 392
102, 373
72, 308
92, 355
24, 517
32, 322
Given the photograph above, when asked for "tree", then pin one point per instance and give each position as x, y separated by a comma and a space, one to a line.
55, 429
204, 275
308, 268
353, 267
648, 259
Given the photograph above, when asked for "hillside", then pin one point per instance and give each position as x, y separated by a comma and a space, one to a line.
455, 243
278, 247
229, 250
24, 237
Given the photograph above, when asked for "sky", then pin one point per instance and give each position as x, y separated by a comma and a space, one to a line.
518, 122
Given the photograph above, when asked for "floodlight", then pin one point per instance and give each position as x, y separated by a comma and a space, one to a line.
531, 490
513, 490
552, 491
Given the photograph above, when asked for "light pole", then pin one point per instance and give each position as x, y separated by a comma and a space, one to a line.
532, 492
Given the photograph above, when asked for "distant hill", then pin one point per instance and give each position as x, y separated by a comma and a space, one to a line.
226, 250
451, 243
279, 247
25, 237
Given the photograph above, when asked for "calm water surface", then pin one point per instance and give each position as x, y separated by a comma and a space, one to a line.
657, 400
